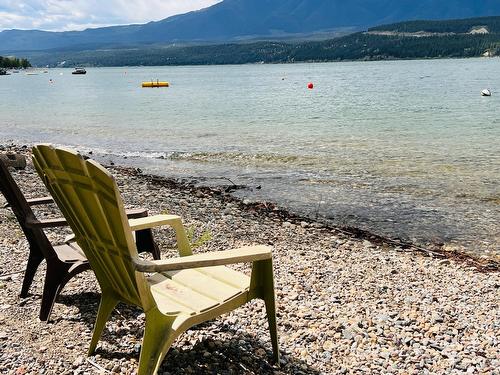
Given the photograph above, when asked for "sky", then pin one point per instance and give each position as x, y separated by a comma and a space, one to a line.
62, 15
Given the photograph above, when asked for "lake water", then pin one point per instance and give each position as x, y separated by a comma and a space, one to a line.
404, 149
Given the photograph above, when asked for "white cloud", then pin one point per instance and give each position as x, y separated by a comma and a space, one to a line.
58, 15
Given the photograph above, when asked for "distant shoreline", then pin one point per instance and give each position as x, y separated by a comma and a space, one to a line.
279, 63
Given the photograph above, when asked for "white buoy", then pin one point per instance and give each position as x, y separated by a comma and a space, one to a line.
486, 92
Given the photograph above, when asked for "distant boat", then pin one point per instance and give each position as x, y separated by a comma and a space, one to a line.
79, 71
3, 72
486, 92
31, 73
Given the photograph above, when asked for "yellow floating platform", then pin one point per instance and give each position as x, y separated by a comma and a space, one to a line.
155, 84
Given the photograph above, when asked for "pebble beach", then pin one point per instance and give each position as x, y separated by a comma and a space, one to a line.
347, 304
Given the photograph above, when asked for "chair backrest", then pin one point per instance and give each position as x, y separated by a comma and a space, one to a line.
36, 237
88, 197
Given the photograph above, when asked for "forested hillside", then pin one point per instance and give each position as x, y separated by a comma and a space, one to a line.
443, 39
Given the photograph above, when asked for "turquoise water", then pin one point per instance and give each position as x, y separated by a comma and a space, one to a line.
405, 149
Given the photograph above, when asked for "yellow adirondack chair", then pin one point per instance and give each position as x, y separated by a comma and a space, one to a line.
184, 292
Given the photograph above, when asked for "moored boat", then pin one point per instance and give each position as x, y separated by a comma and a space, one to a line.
79, 71
486, 92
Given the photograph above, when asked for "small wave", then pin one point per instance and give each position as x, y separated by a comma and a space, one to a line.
321, 181
207, 135
237, 158
120, 154
143, 154
208, 157
134, 154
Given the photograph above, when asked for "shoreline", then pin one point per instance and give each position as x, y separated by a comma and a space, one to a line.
267, 208
363, 60
345, 304
222, 192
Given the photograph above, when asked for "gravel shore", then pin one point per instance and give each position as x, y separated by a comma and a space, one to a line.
346, 305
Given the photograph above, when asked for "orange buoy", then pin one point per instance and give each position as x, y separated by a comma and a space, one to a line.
310, 85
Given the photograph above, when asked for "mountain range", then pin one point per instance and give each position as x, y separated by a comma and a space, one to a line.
238, 20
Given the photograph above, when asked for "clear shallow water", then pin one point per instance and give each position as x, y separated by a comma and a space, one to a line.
405, 149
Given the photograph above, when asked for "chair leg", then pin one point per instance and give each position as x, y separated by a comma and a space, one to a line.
264, 270
145, 242
106, 306
53, 284
158, 337
271, 318
34, 260
56, 278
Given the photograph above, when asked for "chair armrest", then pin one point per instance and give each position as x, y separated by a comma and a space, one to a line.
153, 221
41, 200
217, 258
172, 220
134, 213
131, 213
34, 201
46, 223
69, 238
61, 222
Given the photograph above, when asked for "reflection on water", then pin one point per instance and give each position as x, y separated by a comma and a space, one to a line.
374, 145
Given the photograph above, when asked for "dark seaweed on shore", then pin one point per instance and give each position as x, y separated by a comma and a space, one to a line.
223, 194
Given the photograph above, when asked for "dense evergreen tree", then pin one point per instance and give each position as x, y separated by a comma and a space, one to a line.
14, 62
452, 26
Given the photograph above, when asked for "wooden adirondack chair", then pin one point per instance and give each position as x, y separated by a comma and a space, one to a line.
184, 292
63, 261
